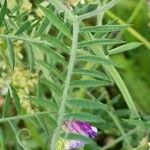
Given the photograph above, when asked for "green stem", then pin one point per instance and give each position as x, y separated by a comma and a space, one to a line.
2, 36
66, 86
24, 116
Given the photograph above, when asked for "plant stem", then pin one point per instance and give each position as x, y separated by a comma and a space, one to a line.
66, 86
24, 116
3, 36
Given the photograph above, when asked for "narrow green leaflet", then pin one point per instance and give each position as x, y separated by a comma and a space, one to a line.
101, 42
39, 91
6, 105
125, 47
96, 59
86, 103
55, 42
89, 83
30, 56
104, 28
50, 52
11, 54
73, 136
25, 26
43, 103
52, 86
51, 69
42, 27
87, 117
93, 73
57, 22
3, 12
16, 100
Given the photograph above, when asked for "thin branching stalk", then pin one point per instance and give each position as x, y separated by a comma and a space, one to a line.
2, 36
66, 86
6, 119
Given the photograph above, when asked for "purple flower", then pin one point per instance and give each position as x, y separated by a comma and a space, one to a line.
78, 127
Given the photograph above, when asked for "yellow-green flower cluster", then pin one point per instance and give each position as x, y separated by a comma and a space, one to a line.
26, 5
25, 83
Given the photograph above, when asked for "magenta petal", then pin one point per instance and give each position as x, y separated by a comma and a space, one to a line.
79, 127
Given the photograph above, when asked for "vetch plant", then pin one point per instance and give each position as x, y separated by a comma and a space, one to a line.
73, 80
77, 128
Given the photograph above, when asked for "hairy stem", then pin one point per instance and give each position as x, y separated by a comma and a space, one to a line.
66, 86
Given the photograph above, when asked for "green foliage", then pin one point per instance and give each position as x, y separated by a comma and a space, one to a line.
3, 12
56, 21
73, 75
11, 54
102, 42
72, 136
126, 47
23, 27
104, 28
